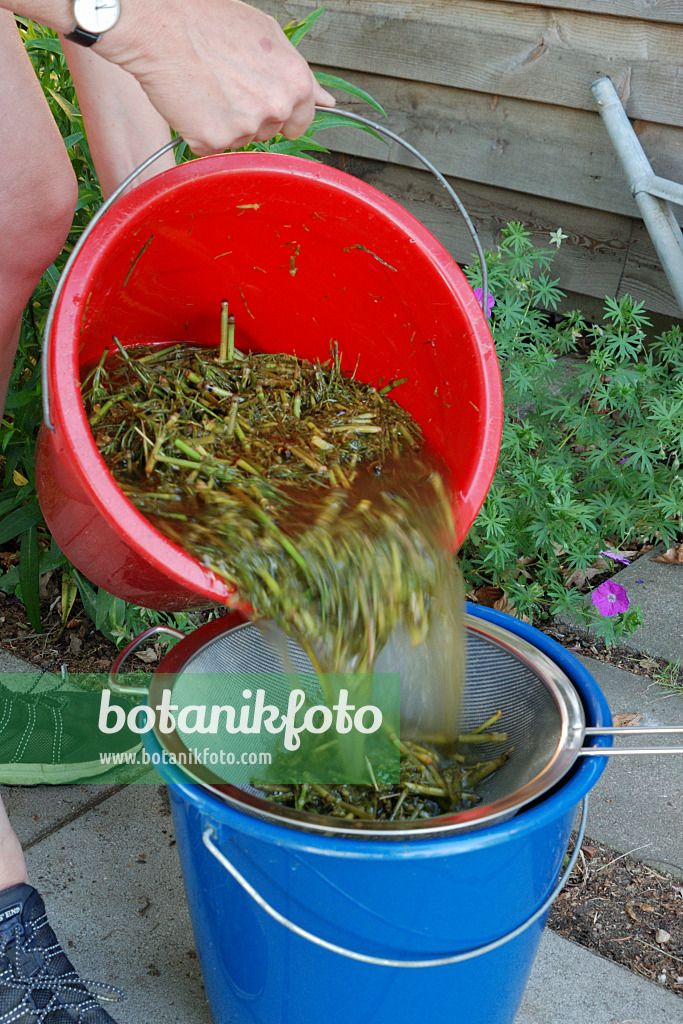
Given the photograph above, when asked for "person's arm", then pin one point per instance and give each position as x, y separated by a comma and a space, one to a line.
122, 126
218, 71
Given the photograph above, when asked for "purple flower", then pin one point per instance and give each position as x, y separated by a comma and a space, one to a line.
610, 598
490, 301
616, 556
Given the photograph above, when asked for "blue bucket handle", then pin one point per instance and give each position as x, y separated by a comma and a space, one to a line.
210, 833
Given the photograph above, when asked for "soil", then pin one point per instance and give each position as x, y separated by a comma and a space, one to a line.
615, 906
80, 646
625, 911
621, 656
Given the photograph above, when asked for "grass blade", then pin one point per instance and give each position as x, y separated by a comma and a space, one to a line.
30, 577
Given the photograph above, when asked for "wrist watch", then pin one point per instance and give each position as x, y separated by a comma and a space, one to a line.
92, 18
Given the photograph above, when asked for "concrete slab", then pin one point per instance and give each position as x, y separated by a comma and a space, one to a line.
112, 885
638, 802
113, 889
570, 985
658, 589
35, 811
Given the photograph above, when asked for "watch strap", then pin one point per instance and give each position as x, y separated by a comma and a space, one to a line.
80, 36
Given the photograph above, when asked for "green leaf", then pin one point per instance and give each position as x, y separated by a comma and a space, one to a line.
296, 30
88, 595
72, 139
69, 594
43, 45
19, 521
70, 109
110, 614
334, 82
9, 504
30, 577
328, 119
47, 561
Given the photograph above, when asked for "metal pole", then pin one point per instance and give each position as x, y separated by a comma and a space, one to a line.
659, 220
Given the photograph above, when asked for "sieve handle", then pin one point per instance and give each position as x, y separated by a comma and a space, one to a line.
454, 958
137, 691
108, 203
630, 730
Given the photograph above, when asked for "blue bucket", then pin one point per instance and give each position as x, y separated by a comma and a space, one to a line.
293, 926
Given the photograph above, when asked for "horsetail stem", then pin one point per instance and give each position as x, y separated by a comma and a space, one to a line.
223, 353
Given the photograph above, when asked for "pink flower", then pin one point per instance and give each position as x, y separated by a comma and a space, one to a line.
610, 598
490, 301
616, 555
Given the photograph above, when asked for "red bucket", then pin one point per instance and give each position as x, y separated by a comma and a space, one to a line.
304, 254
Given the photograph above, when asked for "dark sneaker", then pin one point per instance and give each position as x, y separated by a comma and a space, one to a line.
53, 737
38, 983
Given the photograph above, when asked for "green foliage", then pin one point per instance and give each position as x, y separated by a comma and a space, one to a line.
591, 448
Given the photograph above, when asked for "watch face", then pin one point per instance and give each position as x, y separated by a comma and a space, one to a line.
96, 16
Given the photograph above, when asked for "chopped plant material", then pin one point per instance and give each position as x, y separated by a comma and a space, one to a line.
313, 493
432, 782
305, 488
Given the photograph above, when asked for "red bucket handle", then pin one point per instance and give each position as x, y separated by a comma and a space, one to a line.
47, 334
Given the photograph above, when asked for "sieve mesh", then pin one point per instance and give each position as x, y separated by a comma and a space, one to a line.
541, 713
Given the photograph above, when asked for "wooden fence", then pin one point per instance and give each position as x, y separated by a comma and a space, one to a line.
497, 94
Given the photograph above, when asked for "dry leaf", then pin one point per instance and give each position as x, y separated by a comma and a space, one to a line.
631, 913
589, 851
662, 936
672, 556
579, 577
147, 656
632, 719
19, 479
504, 604
43, 585
488, 596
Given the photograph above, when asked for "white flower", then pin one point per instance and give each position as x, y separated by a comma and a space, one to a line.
556, 237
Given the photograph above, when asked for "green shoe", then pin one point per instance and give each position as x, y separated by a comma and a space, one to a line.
53, 737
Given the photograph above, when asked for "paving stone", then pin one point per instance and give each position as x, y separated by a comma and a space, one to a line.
571, 985
638, 802
112, 885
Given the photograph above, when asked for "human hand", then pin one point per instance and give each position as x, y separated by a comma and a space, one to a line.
221, 73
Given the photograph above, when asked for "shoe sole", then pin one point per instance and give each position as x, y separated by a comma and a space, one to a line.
56, 774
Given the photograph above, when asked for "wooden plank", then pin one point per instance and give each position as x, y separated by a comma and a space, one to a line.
532, 147
643, 275
592, 261
523, 51
647, 10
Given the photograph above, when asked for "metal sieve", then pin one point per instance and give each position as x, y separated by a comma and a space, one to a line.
541, 712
